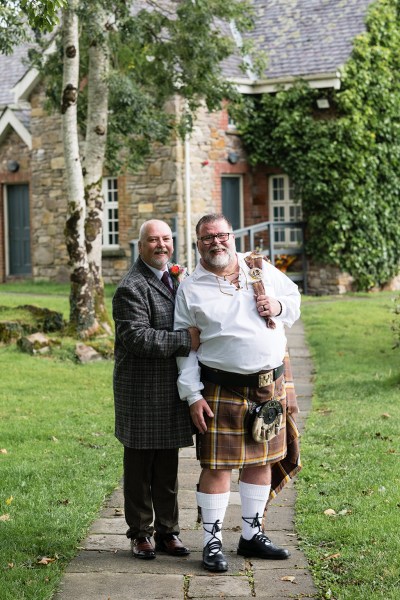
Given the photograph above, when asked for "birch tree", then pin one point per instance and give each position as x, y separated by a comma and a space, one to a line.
136, 60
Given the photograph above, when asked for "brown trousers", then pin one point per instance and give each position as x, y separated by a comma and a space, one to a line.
151, 483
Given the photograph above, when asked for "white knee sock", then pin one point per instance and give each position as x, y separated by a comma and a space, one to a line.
213, 507
253, 498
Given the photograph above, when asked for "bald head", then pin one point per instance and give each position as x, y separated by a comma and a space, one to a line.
155, 243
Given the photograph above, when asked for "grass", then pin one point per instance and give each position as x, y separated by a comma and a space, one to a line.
59, 458
62, 460
350, 450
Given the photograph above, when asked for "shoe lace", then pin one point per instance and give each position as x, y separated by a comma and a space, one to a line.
215, 544
256, 522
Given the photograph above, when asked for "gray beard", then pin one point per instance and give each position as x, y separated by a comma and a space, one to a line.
219, 261
160, 261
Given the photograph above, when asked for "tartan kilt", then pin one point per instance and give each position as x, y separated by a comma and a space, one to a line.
228, 444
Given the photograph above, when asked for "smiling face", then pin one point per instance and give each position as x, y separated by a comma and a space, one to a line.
217, 256
156, 244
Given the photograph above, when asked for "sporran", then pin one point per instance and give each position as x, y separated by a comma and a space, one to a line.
265, 420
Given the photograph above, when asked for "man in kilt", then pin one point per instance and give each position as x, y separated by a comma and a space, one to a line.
150, 420
238, 367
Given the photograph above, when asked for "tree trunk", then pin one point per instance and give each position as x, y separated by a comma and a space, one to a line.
93, 162
82, 318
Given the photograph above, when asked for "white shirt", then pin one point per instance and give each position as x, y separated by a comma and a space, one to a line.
233, 336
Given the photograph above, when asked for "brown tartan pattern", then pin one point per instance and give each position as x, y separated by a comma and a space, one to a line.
227, 443
284, 470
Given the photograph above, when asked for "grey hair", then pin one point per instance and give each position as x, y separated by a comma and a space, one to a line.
210, 218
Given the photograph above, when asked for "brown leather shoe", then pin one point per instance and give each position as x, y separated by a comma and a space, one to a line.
143, 548
171, 544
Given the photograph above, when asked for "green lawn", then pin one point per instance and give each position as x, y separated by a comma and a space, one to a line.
59, 458
351, 450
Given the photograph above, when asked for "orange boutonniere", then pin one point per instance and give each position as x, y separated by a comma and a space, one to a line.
177, 272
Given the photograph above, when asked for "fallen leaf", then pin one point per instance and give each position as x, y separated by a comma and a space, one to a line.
3, 451
9, 500
345, 511
290, 578
386, 416
332, 556
10, 565
4, 517
54, 439
45, 560
330, 512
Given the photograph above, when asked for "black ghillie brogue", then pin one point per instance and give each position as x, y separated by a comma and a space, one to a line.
260, 546
213, 558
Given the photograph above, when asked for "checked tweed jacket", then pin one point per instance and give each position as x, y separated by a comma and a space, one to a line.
148, 411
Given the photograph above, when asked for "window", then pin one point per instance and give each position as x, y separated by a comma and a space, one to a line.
231, 123
110, 224
283, 209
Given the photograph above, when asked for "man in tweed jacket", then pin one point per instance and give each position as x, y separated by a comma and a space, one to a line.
150, 420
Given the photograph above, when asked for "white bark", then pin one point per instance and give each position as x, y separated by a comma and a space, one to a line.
81, 299
76, 204
95, 145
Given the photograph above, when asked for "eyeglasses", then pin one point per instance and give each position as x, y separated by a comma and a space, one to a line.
208, 239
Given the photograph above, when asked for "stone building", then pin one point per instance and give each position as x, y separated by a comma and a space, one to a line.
179, 182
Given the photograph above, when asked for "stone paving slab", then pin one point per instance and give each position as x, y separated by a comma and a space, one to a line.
271, 583
120, 586
217, 586
121, 561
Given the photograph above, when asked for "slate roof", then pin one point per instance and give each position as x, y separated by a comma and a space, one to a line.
300, 38
12, 69
306, 37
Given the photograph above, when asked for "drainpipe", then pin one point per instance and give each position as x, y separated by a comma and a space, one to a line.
188, 204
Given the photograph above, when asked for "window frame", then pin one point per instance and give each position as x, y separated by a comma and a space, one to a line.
110, 204
290, 211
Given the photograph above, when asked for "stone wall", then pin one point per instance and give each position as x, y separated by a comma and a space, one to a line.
49, 199
326, 279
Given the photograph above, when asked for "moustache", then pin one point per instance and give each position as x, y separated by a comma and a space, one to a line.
216, 247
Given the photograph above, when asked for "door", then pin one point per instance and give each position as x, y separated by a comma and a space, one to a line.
232, 202
19, 231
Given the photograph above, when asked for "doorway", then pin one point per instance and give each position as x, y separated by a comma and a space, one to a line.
18, 230
232, 202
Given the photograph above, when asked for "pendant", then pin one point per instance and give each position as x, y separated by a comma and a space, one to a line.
255, 274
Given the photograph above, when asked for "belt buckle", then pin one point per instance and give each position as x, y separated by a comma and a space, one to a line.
265, 379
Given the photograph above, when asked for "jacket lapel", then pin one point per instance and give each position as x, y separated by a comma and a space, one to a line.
154, 281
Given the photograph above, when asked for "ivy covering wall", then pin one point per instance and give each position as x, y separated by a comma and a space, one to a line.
344, 161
